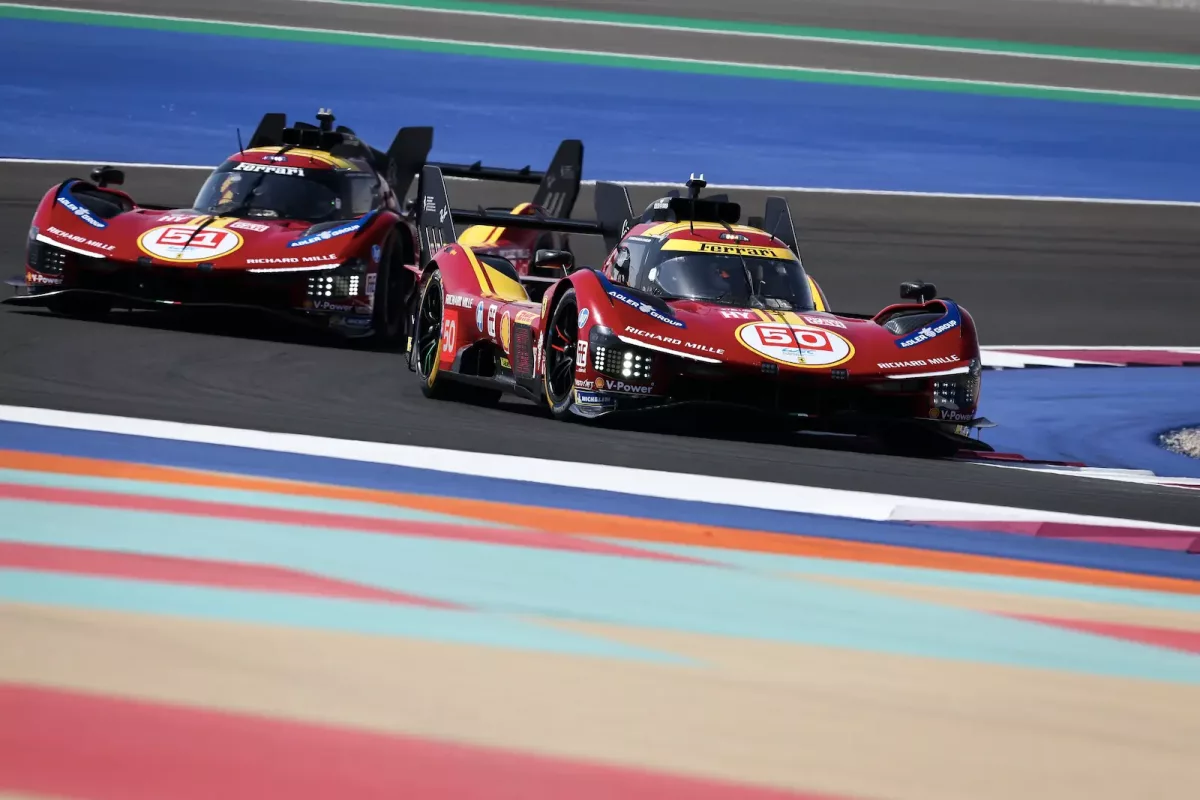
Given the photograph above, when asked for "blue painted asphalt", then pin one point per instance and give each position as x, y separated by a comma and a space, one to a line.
552, 585
247, 461
177, 98
1104, 417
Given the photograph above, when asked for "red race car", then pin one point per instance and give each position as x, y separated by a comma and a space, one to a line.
306, 222
690, 310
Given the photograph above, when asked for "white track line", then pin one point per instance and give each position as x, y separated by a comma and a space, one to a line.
646, 483
734, 187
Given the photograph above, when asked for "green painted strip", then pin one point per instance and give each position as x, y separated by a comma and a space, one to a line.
796, 31
561, 56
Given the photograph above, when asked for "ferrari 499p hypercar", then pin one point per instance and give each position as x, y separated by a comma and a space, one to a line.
689, 310
307, 222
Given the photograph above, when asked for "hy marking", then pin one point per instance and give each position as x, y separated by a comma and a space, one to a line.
732, 28
616, 59
643, 482
736, 187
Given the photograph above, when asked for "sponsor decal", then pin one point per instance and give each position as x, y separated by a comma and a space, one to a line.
581, 356
920, 362
428, 204
737, 313
594, 399
645, 308
362, 309
505, 364
243, 225
371, 278
176, 218
625, 297
949, 322
479, 315
623, 387
582, 384
795, 346
658, 337
492, 320
950, 414
74, 237
525, 318
825, 321
283, 260
583, 317
325, 305
45, 280
350, 322
68, 201
538, 356
296, 172
460, 301
505, 330
332, 233
189, 244
545, 303
376, 253
750, 251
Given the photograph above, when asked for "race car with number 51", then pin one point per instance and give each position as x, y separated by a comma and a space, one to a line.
307, 223
691, 310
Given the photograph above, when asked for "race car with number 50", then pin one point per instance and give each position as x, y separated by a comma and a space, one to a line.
691, 310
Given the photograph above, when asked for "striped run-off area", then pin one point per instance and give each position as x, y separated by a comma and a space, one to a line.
188, 633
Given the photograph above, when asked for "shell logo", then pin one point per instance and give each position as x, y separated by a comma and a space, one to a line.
505, 330
795, 345
187, 244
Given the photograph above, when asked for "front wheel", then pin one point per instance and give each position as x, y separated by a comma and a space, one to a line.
562, 341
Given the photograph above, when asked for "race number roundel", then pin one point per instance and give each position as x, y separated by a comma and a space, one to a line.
177, 243
795, 345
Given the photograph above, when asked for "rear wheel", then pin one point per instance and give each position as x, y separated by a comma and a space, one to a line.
562, 340
427, 344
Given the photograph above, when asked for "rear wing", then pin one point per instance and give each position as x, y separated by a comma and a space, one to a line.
558, 186
436, 219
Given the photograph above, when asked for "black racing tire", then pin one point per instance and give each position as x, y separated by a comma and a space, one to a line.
81, 306
390, 318
558, 376
427, 346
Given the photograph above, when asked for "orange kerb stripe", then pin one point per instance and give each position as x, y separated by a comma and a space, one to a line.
612, 525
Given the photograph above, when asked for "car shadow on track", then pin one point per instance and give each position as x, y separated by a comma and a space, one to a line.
232, 324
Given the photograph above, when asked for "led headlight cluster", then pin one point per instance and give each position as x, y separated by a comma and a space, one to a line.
46, 259
622, 362
334, 285
956, 392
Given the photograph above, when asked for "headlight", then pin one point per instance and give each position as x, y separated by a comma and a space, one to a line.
616, 359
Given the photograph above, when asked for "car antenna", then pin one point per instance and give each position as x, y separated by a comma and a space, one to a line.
694, 186
241, 150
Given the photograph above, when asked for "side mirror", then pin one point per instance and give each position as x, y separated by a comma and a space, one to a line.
554, 258
621, 263
918, 291
103, 176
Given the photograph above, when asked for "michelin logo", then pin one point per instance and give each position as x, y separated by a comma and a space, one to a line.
325, 236
64, 199
594, 399
946, 323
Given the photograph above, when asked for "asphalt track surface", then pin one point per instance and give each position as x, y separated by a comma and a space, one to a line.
689, 45
230, 374
1123, 24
